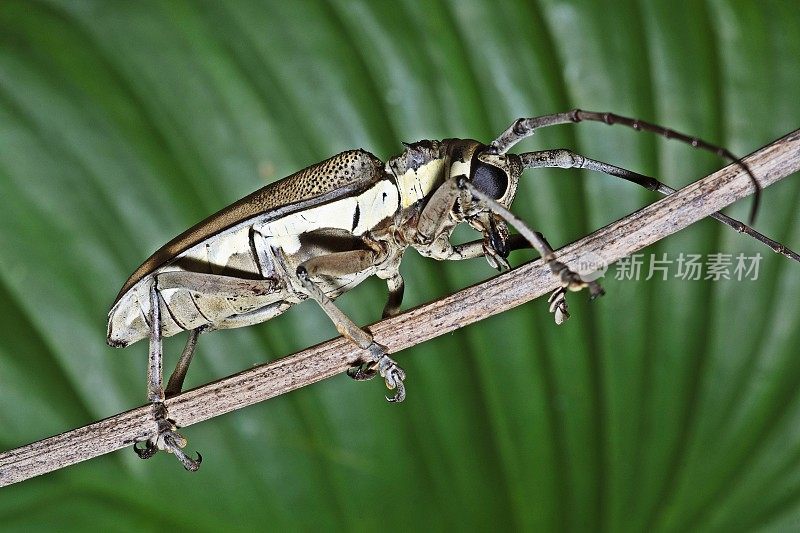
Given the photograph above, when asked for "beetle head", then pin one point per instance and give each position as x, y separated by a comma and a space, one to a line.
497, 176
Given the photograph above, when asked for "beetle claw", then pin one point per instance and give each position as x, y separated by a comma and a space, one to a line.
173, 442
167, 439
147, 452
394, 376
558, 305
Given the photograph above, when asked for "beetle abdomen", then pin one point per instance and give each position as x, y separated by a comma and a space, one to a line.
190, 300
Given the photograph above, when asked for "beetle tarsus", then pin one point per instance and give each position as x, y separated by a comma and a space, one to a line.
167, 439
390, 371
394, 376
173, 443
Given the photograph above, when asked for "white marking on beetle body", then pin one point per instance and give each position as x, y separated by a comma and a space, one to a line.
460, 168
233, 252
197, 254
415, 185
375, 204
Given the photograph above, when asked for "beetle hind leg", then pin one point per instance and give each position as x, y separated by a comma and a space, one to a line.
166, 437
175, 383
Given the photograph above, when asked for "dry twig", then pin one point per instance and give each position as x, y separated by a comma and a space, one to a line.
620, 239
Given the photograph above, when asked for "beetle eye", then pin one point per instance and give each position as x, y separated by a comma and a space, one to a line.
490, 180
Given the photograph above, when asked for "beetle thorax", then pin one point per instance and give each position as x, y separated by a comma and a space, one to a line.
423, 166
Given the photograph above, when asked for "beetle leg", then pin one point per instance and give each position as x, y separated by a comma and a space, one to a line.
435, 216
175, 383
570, 279
155, 355
396, 285
338, 263
363, 372
166, 437
396, 288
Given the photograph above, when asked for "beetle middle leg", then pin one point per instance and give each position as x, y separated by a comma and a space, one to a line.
396, 286
341, 263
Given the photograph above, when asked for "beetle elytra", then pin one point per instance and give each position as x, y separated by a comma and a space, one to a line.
323, 230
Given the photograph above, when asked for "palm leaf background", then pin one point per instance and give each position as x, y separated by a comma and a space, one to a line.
667, 405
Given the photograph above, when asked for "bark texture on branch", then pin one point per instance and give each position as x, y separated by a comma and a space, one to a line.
615, 241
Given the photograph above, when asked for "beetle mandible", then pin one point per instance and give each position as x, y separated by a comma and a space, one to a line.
323, 230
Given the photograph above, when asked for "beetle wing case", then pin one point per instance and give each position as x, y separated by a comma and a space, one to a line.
334, 178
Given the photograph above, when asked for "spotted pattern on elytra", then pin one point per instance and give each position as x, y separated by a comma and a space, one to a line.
347, 168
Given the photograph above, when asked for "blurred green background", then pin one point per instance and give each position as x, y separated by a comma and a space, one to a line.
665, 406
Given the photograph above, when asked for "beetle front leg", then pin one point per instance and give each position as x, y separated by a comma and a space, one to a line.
339, 263
557, 300
570, 280
166, 438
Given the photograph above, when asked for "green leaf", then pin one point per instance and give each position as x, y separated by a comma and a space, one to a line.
666, 406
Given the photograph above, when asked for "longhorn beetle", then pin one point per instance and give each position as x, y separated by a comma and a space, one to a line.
324, 229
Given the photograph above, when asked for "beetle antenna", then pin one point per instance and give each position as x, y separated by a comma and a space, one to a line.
563, 158
525, 127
